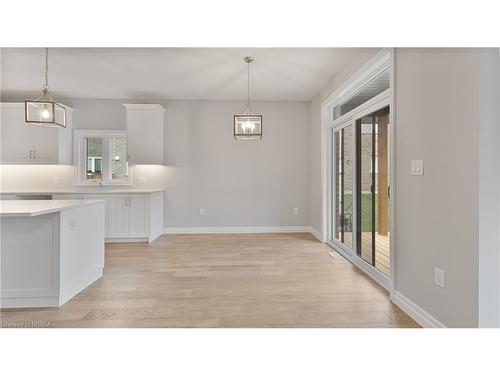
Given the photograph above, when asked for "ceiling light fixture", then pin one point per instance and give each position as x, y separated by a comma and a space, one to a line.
248, 125
44, 111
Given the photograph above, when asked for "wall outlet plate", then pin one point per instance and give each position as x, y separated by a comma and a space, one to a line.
439, 277
202, 212
417, 167
295, 211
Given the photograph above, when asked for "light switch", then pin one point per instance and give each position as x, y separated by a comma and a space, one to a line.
417, 167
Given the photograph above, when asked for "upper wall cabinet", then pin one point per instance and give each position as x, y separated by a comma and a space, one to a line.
23, 143
145, 132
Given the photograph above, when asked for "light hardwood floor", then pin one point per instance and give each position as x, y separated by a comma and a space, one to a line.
251, 280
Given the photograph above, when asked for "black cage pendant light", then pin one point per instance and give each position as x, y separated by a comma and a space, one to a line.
44, 111
248, 125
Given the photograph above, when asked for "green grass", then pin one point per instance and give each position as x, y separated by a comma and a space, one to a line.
366, 209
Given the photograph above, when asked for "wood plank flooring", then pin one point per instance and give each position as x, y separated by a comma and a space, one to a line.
251, 280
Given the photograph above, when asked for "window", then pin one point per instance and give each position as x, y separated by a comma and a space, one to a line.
369, 90
101, 157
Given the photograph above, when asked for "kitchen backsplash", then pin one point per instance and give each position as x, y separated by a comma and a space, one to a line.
61, 177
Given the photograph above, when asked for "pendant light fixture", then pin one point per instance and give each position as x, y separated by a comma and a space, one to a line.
44, 111
248, 125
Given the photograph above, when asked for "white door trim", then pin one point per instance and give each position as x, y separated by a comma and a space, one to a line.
382, 100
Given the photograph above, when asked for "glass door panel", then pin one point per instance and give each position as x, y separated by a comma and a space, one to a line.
343, 184
372, 177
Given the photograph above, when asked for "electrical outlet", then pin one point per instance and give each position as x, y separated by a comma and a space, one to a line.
417, 167
295, 211
439, 277
57, 180
142, 179
202, 212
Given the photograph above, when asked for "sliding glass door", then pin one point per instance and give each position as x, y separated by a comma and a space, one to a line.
373, 190
343, 158
359, 172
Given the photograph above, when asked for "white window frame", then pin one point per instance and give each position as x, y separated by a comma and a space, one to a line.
80, 157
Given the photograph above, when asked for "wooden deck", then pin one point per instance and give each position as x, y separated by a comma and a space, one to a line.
382, 250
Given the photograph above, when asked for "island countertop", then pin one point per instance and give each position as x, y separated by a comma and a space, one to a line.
27, 208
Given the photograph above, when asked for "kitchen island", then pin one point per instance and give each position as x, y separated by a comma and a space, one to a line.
50, 250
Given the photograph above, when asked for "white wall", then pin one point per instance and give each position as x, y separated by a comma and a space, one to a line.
238, 183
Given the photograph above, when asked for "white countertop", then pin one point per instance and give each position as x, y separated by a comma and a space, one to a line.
82, 191
27, 208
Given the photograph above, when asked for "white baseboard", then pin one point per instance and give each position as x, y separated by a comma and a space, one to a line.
315, 233
23, 302
120, 240
222, 230
417, 313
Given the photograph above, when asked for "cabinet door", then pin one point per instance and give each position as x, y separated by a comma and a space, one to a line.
118, 216
16, 134
107, 210
138, 215
46, 147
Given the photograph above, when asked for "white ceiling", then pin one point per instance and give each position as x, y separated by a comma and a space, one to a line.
173, 73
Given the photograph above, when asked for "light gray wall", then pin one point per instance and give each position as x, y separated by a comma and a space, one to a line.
361, 57
437, 120
238, 183
489, 188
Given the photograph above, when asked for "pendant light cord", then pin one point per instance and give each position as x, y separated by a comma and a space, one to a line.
248, 85
46, 86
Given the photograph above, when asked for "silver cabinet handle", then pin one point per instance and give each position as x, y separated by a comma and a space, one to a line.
31, 153
34, 154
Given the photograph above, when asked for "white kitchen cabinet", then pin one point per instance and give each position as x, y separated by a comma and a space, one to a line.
138, 215
118, 216
131, 217
145, 132
23, 143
